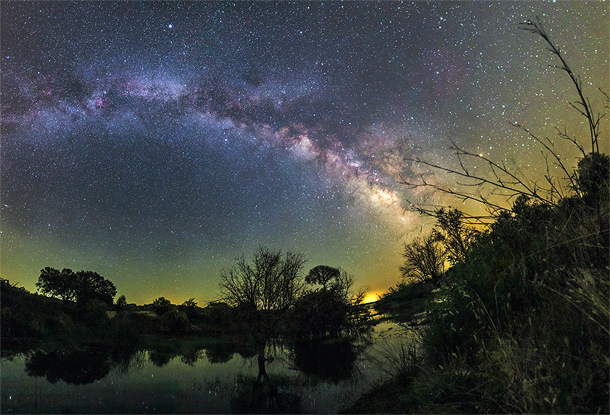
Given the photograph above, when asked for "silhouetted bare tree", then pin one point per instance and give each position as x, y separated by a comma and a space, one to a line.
263, 289
424, 260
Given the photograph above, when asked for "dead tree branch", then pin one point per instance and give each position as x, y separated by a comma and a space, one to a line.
498, 177
583, 105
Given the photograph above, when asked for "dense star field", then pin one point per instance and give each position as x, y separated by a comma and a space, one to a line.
154, 142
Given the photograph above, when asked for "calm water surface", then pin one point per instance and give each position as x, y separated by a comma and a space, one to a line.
198, 383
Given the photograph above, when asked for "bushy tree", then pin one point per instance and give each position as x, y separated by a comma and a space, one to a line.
457, 237
161, 305
81, 286
121, 303
323, 310
331, 279
322, 275
92, 286
593, 178
57, 284
593, 182
424, 260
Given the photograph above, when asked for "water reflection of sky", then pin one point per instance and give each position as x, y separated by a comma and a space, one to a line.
173, 388
200, 387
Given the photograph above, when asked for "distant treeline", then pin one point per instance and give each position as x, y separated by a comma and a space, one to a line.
29, 317
78, 308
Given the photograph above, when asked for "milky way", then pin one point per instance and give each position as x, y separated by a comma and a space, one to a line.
154, 142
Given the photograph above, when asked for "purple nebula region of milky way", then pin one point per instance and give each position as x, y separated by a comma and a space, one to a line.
154, 142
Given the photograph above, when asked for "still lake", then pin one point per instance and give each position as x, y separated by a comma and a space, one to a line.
201, 380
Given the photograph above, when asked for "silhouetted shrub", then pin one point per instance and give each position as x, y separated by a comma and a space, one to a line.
175, 321
161, 305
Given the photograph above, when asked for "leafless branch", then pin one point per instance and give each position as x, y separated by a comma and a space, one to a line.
583, 105
498, 177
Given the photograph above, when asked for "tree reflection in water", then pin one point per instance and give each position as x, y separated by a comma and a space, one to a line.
219, 353
273, 395
76, 368
191, 356
281, 391
161, 357
327, 360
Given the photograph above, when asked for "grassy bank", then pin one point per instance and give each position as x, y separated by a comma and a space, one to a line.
520, 325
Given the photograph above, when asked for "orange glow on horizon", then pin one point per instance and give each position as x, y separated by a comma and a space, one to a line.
370, 297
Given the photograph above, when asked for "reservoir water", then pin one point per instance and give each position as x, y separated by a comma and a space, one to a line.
216, 379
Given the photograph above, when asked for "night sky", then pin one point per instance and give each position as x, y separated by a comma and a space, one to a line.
155, 142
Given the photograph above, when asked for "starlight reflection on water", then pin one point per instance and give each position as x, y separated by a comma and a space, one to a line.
312, 379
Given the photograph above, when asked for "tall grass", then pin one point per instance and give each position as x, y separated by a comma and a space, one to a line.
522, 325
527, 315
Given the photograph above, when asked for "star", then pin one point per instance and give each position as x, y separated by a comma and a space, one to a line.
133, 151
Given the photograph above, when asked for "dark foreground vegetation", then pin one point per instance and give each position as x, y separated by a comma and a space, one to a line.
520, 322
520, 325
29, 319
